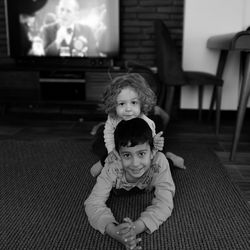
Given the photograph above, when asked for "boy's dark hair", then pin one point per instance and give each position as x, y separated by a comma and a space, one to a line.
132, 132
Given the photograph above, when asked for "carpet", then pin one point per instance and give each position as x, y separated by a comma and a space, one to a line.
43, 186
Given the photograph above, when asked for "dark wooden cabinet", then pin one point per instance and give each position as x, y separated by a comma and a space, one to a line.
51, 86
61, 90
19, 86
75, 88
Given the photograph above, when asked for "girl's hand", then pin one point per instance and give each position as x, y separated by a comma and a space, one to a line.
113, 156
159, 141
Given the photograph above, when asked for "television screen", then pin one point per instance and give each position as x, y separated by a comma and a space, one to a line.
63, 28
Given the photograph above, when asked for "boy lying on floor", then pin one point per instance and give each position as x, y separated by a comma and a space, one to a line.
140, 167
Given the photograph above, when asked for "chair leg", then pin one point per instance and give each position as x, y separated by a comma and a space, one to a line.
219, 74
212, 104
169, 98
200, 101
218, 91
161, 96
243, 100
239, 123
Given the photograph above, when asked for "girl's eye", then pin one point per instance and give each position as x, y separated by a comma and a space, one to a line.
121, 103
135, 102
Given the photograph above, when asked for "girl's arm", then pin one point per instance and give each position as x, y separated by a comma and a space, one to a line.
158, 138
159, 141
108, 132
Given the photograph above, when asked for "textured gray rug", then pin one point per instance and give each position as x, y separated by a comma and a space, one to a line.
43, 186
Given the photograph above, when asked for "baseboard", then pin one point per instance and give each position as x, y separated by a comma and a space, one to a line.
191, 114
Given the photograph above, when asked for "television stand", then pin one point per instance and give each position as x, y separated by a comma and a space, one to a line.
64, 63
75, 89
66, 88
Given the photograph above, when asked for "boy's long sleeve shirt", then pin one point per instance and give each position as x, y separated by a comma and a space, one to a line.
111, 125
112, 176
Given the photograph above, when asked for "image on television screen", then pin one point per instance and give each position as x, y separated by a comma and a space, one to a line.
66, 28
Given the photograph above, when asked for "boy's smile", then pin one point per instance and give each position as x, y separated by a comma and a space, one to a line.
136, 161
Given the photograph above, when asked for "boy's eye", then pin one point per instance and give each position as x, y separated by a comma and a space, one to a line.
141, 154
125, 156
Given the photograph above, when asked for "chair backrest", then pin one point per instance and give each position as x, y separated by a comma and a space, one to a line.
96, 82
146, 72
167, 58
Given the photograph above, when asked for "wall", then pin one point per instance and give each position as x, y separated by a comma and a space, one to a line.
137, 30
203, 19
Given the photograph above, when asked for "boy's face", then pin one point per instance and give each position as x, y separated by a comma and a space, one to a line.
128, 104
136, 160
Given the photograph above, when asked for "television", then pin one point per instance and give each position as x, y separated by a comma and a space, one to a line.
71, 32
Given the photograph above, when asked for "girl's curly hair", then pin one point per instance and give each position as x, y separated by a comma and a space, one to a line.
135, 81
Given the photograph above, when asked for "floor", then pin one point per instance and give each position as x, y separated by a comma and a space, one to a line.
184, 130
192, 131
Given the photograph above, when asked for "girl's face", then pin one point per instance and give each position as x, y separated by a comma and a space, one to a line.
136, 161
128, 104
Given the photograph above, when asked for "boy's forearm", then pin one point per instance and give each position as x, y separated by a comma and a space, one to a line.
112, 231
140, 227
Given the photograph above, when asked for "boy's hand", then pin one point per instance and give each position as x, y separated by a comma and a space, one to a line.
113, 156
128, 234
159, 141
123, 234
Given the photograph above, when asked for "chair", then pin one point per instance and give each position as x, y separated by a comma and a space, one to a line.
137, 67
171, 75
